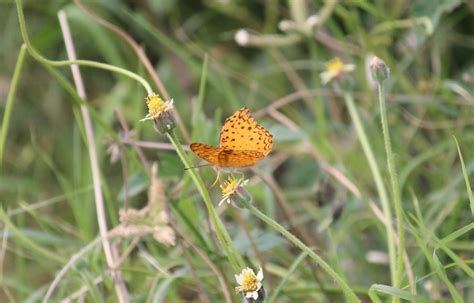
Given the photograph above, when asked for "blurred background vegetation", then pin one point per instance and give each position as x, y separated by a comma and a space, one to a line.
46, 185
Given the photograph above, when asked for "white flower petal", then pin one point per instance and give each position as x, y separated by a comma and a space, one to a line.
325, 77
253, 295
349, 67
147, 117
222, 201
169, 104
260, 274
239, 279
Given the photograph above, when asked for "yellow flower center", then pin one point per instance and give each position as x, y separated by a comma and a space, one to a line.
249, 283
229, 186
155, 105
335, 66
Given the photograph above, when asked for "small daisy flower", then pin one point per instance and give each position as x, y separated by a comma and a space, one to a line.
335, 69
231, 188
249, 283
158, 112
156, 106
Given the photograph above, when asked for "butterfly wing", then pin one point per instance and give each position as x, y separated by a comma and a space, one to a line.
239, 158
241, 132
207, 152
226, 157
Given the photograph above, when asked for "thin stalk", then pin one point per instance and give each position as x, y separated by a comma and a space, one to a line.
10, 98
39, 57
143, 58
319, 105
395, 186
119, 284
298, 13
287, 277
466, 177
27, 242
382, 192
338, 279
234, 257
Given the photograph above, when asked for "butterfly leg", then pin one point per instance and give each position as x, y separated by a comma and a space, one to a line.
217, 179
241, 174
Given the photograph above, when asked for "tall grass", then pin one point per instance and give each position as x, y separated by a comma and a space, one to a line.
316, 216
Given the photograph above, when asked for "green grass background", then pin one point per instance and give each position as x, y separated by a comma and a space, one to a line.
45, 178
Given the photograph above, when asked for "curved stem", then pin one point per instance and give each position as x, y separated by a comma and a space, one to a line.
10, 98
395, 186
338, 279
35, 54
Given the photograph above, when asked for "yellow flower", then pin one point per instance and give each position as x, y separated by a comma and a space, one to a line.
232, 187
335, 68
249, 283
156, 106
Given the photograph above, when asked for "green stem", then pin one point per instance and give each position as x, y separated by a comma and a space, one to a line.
326, 11
10, 98
466, 177
319, 105
286, 277
338, 279
27, 241
377, 179
395, 186
234, 257
99, 65
298, 13
270, 40
408, 23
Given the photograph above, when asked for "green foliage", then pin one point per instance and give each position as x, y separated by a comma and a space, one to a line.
326, 180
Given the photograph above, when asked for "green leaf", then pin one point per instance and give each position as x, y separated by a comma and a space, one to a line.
137, 183
393, 292
466, 178
265, 241
434, 9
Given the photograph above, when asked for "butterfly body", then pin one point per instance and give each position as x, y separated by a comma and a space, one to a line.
242, 143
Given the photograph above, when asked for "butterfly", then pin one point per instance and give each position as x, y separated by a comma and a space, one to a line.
242, 142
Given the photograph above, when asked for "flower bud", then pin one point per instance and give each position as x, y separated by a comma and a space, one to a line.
164, 123
379, 70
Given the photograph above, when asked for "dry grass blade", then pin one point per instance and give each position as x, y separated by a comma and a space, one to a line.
121, 289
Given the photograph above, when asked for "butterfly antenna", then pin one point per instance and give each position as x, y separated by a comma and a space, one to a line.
198, 166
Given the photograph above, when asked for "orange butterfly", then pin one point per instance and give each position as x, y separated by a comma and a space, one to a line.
242, 142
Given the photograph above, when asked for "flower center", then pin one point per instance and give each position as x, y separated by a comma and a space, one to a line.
335, 66
249, 283
229, 186
155, 105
